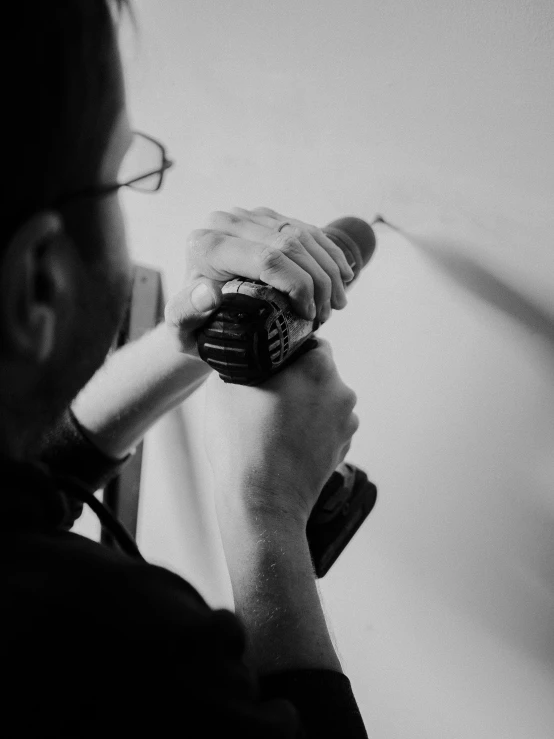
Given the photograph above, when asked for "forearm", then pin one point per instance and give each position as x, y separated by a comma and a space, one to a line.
137, 385
276, 595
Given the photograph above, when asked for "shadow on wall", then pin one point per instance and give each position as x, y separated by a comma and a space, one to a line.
534, 319
483, 284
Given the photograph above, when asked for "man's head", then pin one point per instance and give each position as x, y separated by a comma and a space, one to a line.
64, 271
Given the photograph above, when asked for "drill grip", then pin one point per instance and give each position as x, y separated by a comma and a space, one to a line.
253, 334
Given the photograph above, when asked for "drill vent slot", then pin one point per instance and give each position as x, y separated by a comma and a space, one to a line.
274, 337
278, 337
285, 331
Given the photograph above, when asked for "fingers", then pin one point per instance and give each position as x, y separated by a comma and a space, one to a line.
320, 365
354, 424
317, 363
223, 257
321, 370
188, 309
299, 260
292, 244
344, 451
268, 216
337, 298
297, 245
302, 248
321, 248
192, 304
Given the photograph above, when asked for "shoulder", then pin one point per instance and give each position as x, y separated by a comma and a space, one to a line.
97, 637
67, 593
65, 579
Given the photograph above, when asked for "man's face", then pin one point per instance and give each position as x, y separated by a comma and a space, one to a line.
85, 277
104, 283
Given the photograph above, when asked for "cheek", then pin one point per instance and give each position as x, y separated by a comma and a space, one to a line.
97, 228
115, 238
113, 271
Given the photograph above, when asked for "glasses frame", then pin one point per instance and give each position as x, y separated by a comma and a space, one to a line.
99, 190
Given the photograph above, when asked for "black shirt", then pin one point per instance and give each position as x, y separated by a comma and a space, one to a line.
99, 643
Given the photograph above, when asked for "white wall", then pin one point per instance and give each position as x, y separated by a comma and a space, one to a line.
441, 116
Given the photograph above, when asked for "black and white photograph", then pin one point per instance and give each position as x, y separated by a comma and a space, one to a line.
277, 369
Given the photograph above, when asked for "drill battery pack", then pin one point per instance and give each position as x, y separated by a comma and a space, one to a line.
344, 503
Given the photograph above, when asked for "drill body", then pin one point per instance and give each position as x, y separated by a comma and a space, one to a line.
253, 333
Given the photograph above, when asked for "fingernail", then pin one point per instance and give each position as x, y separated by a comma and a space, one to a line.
202, 298
349, 274
312, 310
341, 302
325, 313
348, 279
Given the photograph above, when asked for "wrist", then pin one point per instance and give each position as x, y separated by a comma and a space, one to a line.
256, 503
138, 384
251, 532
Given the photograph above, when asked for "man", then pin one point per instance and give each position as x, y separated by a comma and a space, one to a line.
96, 641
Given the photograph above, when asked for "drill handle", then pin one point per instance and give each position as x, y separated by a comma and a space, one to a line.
253, 334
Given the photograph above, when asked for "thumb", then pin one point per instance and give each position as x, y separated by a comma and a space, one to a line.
191, 306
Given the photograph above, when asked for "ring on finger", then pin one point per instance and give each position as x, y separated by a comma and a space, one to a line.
282, 226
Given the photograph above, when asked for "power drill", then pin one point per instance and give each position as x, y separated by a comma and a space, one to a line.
254, 334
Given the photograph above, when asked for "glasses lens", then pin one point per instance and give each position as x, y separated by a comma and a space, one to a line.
144, 160
147, 184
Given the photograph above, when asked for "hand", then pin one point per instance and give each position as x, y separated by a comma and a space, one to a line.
273, 447
299, 260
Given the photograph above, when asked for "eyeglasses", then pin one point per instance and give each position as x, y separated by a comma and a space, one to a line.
142, 169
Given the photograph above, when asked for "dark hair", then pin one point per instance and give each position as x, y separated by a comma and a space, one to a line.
61, 97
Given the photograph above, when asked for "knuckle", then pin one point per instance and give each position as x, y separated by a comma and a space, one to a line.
334, 251
195, 237
290, 245
199, 246
325, 284
325, 363
317, 232
331, 247
213, 218
241, 213
295, 232
316, 363
263, 210
303, 288
325, 354
270, 259
334, 272
324, 345
354, 424
170, 316
350, 398
322, 238
314, 369
197, 243
211, 240
222, 219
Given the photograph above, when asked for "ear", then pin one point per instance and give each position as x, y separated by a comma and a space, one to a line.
35, 281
